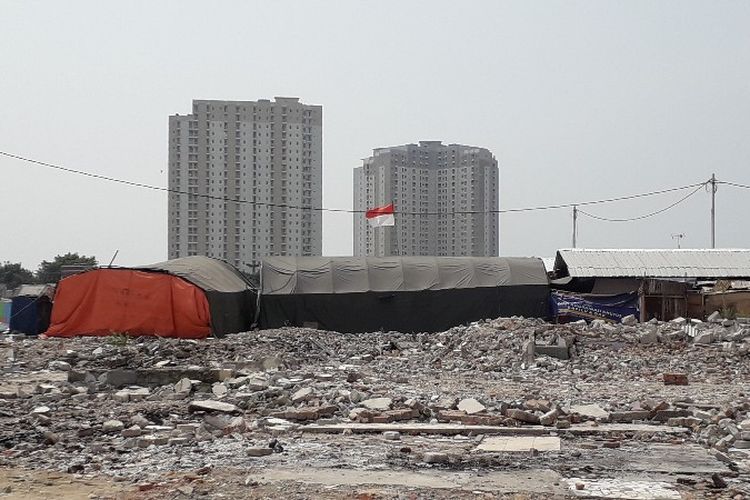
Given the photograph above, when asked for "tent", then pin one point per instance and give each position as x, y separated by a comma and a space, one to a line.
30, 309
190, 297
407, 294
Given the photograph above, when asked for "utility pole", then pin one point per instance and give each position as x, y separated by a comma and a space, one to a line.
575, 219
713, 210
678, 237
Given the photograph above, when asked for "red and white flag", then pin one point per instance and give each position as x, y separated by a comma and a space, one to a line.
381, 216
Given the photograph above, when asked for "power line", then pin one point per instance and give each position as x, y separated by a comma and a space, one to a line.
734, 184
342, 210
645, 216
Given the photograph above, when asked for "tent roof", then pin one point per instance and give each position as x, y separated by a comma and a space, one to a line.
204, 272
684, 263
325, 275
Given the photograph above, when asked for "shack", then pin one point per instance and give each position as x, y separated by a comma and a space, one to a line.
661, 279
406, 294
191, 297
30, 309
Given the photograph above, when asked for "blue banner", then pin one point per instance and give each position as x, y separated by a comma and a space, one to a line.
571, 307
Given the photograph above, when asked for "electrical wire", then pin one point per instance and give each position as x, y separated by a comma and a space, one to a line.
645, 216
734, 184
341, 210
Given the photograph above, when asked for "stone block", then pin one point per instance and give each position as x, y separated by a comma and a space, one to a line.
553, 351
258, 452
522, 415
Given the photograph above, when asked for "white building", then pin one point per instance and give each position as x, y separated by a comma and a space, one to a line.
444, 197
268, 155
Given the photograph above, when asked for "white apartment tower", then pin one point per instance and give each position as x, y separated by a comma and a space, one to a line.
248, 174
445, 197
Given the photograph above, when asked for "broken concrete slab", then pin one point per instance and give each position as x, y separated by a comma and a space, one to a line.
591, 410
543, 481
553, 351
210, 405
379, 404
451, 429
471, 406
302, 395
622, 489
519, 443
629, 416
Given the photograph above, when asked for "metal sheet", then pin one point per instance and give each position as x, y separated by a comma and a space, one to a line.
684, 263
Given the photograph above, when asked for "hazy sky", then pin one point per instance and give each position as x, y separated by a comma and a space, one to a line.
577, 100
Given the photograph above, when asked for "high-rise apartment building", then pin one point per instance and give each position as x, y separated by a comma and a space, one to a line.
265, 154
444, 197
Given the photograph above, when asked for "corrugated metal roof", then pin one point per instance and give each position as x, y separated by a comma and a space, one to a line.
686, 263
549, 263
35, 290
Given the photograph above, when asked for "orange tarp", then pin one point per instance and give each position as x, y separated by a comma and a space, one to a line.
111, 301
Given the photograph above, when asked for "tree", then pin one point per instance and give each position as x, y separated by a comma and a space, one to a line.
50, 272
14, 275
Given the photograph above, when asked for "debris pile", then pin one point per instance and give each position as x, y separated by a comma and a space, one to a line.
133, 406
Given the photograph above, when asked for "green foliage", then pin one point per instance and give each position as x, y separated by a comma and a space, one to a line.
728, 312
118, 339
50, 272
14, 275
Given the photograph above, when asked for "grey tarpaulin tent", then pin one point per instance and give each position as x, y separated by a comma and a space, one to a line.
231, 298
355, 294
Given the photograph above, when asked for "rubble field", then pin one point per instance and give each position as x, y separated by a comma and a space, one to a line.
508, 407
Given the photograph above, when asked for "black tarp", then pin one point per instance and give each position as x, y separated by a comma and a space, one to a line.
30, 315
407, 294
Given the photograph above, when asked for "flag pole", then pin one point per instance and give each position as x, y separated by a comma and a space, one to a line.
398, 239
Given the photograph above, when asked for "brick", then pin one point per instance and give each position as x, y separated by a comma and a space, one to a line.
629, 416
675, 379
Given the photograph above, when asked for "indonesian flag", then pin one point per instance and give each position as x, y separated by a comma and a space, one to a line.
381, 216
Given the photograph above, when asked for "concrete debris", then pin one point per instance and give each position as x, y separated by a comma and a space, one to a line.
471, 406
259, 452
209, 405
590, 411
377, 403
301, 395
113, 426
60, 366
629, 320
432, 457
675, 379
522, 415
608, 393
715, 317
